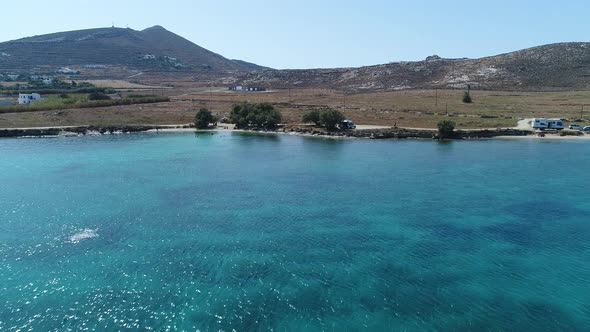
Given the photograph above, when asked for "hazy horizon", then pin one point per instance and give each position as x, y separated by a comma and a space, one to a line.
324, 35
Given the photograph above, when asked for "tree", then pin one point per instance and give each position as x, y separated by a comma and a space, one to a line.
262, 115
203, 118
330, 118
445, 128
312, 116
467, 95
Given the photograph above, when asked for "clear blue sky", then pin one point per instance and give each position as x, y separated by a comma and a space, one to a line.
320, 33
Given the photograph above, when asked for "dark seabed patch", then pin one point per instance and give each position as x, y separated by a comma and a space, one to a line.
267, 232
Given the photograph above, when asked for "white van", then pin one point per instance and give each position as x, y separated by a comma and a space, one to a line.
347, 124
544, 123
539, 123
554, 124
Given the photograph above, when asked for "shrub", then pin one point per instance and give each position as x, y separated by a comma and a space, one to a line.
203, 118
261, 115
467, 95
64, 96
467, 98
98, 96
330, 118
312, 117
445, 128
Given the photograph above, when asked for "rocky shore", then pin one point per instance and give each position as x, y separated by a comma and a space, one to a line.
80, 130
401, 133
386, 133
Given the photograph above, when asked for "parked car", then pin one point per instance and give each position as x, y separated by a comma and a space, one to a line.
576, 127
347, 124
587, 128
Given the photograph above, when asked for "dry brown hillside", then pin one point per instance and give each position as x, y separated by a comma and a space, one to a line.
162, 56
154, 48
550, 67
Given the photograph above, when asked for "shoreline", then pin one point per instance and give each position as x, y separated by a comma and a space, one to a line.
70, 131
376, 133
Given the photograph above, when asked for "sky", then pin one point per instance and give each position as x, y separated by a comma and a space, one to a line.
321, 33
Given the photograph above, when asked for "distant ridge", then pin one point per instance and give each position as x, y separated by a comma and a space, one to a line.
554, 66
154, 48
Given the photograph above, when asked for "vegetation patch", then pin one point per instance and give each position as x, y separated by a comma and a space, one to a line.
254, 115
327, 118
203, 118
98, 96
65, 101
330, 118
446, 128
58, 87
312, 117
467, 95
140, 96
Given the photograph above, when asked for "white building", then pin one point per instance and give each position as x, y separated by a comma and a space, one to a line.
47, 81
25, 99
66, 70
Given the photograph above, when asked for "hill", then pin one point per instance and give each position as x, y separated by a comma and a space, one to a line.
549, 67
555, 66
154, 48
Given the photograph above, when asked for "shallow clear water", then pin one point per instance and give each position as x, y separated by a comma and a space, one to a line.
249, 232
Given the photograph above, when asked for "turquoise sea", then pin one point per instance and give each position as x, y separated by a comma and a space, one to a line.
244, 232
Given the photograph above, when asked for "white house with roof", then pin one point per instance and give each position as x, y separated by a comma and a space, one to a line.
25, 99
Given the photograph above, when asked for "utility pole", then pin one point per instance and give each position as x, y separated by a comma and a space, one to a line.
582, 112
447, 108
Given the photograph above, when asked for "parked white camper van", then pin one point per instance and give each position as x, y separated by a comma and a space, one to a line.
544, 123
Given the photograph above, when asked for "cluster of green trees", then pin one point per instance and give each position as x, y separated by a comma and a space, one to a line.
328, 118
204, 118
258, 115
